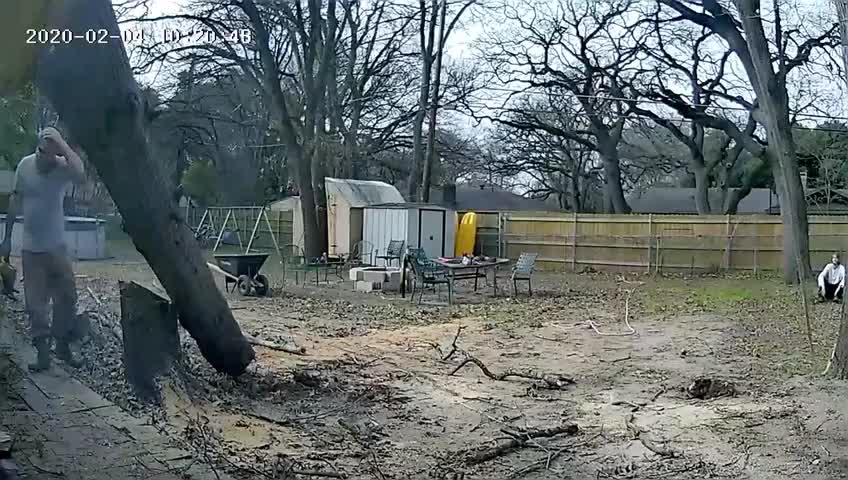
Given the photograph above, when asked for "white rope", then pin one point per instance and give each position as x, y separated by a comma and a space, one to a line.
631, 330
833, 352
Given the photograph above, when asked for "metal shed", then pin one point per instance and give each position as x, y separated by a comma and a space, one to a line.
345, 201
426, 226
85, 237
292, 204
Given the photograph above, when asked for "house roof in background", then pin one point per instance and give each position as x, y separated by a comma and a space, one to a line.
672, 200
361, 193
473, 198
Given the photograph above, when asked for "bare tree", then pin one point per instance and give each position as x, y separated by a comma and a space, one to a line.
587, 50
537, 139
688, 57
767, 65
445, 30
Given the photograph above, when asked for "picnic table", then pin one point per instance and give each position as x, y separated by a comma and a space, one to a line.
476, 269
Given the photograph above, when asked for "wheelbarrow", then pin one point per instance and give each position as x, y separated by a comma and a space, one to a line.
243, 271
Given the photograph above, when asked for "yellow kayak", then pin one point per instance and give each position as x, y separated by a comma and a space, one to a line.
466, 235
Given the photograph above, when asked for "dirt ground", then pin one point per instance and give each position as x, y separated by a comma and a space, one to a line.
374, 396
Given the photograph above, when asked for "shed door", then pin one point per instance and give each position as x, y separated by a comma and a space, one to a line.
431, 232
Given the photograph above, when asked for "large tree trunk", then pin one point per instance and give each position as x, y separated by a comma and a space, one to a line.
774, 104
432, 154
702, 189
427, 42
92, 88
612, 184
319, 191
793, 211
574, 192
351, 147
313, 242
839, 360
299, 152
731, 203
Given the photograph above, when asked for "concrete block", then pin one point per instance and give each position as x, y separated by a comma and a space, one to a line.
392, 282
376, 276
367, 287
354, 273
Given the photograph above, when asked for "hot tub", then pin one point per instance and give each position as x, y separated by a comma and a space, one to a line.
84, 236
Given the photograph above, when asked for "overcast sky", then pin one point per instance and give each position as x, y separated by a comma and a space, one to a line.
458, 48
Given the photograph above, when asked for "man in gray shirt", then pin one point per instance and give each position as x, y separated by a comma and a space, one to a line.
41, 180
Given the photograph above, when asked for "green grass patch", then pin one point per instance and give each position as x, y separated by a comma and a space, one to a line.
719, 295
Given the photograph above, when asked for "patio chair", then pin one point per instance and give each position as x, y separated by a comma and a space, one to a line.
293, 260
393, 252
523, 271
427, 273
362, 254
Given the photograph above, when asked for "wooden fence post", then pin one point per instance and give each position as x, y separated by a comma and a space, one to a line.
727, 248
659, 255
650, 237
502, 219
574, 242
756, 249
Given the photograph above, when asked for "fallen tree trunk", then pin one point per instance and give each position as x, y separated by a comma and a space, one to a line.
91, 87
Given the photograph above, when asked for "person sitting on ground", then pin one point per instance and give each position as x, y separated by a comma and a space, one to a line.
832, 280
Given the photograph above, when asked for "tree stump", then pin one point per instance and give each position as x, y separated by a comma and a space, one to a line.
151, 338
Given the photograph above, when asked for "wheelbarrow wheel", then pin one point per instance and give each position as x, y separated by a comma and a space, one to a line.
244, 286
260, 283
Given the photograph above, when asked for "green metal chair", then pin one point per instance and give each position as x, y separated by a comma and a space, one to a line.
293, 260
427, 273
362, 254
523, 271
393, 252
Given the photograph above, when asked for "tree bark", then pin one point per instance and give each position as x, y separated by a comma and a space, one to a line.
839, 360
793, 212
774, 103
299, 153
426, 40
432, 155
92, 88
702, 189
731, 205
612, 184
150, 336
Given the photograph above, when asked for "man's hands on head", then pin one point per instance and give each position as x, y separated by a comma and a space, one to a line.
53, 142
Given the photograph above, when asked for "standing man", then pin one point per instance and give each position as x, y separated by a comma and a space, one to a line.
832, 280
41, 180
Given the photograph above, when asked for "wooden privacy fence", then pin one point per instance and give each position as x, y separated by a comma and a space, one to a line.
243, 220
653, 243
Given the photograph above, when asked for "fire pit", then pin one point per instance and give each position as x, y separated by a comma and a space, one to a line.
368, 279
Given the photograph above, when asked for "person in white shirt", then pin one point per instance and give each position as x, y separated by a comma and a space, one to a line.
832, 280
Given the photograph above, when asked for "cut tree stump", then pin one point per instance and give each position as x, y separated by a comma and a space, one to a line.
91, 86
151, 337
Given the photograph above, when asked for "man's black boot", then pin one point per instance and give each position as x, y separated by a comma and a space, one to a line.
64, 353
42, 346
